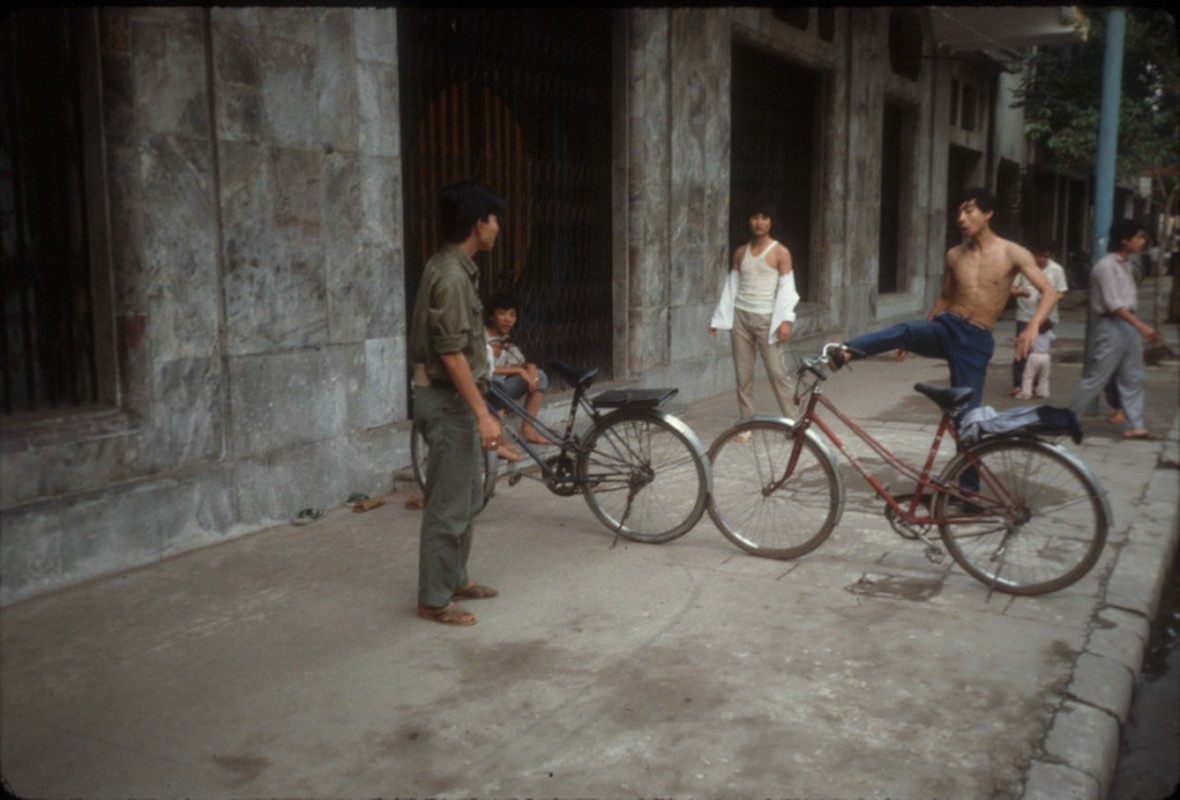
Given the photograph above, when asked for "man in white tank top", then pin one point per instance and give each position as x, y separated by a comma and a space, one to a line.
758, 306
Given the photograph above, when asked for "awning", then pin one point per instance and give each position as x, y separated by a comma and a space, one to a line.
1002, 31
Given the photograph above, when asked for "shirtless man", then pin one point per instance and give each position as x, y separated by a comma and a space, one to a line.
975, 289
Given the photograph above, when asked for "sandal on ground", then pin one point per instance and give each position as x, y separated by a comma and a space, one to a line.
474, 591
1143, 436
307, 516
449, 614
1117, 418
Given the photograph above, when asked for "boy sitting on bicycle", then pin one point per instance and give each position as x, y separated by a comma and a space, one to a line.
516, 375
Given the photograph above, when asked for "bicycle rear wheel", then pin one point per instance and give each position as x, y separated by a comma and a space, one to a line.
643, 477
1038, 523
419, 450
759, 511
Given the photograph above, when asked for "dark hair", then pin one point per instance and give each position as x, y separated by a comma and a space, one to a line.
764, 207
1043, 246
984, 200
504, 300
460, 205
1121, 231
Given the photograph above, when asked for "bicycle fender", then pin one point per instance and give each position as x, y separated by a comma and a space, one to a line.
1084, 468
678, 425
1064, 452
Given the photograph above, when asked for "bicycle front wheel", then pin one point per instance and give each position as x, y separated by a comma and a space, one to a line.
419, 451
1037, 524
757, 505
643, 477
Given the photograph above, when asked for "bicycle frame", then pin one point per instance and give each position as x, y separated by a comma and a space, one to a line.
923, 479
570, 445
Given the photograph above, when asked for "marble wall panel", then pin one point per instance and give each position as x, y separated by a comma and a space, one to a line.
382, 399
193, 428
380, 201
376, 35
169, 68
290, 92
336, 71
283, 399
377, 112
79, 465
179, 246
272, 489
274, 282
30, 554
294, 179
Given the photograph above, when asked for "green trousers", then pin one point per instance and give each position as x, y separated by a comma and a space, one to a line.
454, 492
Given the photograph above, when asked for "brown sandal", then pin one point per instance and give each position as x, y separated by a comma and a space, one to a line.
449, 614
474, 591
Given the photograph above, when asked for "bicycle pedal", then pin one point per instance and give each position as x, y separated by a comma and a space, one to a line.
515, 476
935, 555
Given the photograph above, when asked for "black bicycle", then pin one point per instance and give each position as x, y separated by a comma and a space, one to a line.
642, 470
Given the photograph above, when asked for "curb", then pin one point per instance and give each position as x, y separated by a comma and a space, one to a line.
1081, 748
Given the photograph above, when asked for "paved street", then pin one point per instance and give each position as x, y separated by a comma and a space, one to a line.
290, 663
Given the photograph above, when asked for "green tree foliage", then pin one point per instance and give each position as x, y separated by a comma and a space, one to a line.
1062, 93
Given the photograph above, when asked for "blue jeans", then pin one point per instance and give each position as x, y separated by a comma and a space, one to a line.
515, 387
967, 349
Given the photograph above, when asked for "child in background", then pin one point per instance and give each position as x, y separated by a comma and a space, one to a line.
1036, 370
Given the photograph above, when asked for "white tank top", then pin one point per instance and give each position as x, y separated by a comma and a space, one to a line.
757, 282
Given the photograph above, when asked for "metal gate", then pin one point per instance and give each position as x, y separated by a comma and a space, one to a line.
47, 339
518, 100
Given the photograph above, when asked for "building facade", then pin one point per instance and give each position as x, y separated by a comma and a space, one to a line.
247, 202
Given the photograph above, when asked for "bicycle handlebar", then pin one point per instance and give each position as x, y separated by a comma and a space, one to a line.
815, 365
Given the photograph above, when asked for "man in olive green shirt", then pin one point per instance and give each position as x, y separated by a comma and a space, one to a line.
451, 375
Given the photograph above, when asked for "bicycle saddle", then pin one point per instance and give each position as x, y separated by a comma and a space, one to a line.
948, 398
575, 377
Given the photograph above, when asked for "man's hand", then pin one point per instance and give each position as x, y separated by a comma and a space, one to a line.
712, 331
784, 331
490, 433
1025, 342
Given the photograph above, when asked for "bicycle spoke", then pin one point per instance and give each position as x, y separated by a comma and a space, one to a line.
1053, 527
752, 504
642, 477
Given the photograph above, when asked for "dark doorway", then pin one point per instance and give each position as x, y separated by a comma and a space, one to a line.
773, 150
960, 166
47, 340
889, 274
518, 99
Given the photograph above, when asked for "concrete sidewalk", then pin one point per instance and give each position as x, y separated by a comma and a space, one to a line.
290, 663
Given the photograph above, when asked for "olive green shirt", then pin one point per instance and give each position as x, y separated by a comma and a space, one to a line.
448, 317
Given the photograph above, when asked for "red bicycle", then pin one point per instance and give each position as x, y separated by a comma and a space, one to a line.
1018, 512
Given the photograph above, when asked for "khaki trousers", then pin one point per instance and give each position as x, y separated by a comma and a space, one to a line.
749, 337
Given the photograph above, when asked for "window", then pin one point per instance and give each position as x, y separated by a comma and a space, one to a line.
54, 341
896, 197
795, 17
970, 104
774, 151
827, 23
905, 43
